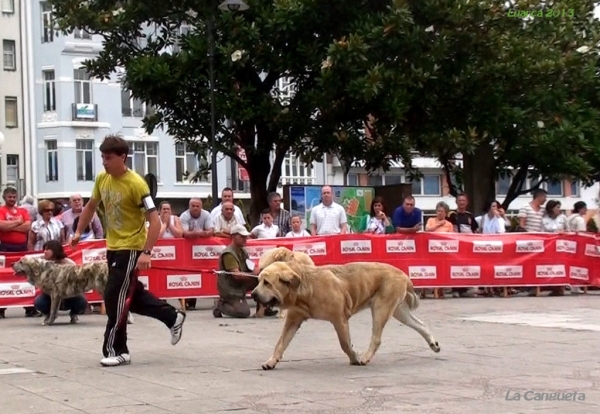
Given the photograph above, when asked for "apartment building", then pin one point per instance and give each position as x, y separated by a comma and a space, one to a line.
12, 97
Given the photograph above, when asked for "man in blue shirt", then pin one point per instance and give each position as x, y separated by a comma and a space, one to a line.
407, 218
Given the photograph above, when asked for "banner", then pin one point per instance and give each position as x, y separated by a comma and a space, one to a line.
184, 269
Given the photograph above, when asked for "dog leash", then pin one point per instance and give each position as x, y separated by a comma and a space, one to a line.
205, 271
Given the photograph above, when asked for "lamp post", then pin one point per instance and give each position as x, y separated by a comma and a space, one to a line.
1, 143
226, 5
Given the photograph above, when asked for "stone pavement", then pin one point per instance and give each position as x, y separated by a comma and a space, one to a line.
490, 347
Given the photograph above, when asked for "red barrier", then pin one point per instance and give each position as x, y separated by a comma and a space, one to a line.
183, 269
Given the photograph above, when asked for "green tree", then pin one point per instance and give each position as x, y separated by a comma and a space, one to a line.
254, 49
509, 94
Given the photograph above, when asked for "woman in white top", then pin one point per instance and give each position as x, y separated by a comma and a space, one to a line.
554, 221
297, 230
379, 222
170, 224
45, 229
576, 221
493, 220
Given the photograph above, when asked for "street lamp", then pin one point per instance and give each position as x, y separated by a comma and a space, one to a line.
226, 5
1, 143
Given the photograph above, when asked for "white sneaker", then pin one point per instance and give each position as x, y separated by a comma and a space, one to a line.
123, 359
129, 318
177, 329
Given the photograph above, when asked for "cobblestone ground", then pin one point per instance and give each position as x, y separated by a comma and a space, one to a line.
490, 347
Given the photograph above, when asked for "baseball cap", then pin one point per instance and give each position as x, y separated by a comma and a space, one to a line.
239, 229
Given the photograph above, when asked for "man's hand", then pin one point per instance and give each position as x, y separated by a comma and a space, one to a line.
75, 239
143, 262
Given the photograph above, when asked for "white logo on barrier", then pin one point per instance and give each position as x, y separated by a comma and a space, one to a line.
400, 246
592, 250
17, 290
550, 271
465, 272
422, 272
566, 246
2, 261
164, 253
311, 249
145, 281
184, 281
508, 272
530, 246
256, 252
207, 252
443, 246
579, 273
93, 255
488, 246
356, 246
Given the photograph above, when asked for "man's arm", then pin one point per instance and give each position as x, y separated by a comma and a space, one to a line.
343, 221
232, 267
7, 225
313, 222
87, 214
25, 226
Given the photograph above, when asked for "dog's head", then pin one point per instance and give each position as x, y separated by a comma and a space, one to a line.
283, 254
278, 285
32, 268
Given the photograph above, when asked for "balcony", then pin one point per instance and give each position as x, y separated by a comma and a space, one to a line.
84, 112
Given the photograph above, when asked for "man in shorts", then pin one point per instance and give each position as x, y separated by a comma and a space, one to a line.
128, 205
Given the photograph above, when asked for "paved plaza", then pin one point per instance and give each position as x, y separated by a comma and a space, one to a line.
490, 348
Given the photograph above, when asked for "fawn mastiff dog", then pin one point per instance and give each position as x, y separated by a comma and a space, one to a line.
61, 281
335, 293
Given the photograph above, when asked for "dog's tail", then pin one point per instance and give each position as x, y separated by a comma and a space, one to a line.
411, 298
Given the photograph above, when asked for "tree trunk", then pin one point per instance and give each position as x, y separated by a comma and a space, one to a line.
259, 167
478, 176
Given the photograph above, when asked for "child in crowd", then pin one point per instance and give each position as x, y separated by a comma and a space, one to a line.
297, 230
265, 230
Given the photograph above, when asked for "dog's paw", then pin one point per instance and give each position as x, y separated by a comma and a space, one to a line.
270, 364
435, 346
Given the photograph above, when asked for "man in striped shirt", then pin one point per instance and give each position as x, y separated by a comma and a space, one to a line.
531, 214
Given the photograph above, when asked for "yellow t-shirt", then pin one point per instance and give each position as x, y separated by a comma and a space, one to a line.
125, 200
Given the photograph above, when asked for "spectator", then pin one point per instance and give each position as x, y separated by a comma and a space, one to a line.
491, 222
77, 305
45, 229
328, 217
439, 223
69, 216
265, 230
234, 285
27, 204
576, 221
297, 230
14, 229
407, 218
281, 218
170, 224
227, 197
195, 221
88, 233
226, 220
379, 222
554, 221
531, 214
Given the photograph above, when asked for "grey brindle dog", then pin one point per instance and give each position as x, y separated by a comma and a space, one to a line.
61, 281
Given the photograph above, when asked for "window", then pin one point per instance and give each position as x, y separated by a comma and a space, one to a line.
49, 90
374, 180
554, 188
503, 184
82, 34
47, 23
8, 6
184, 30
286, 89
143, 157
575, 189
131, 107
12, 168
9, 54
11, 112
83, 86
392, 179
353, 179
85, 159
294, 171
186, 163
429, 185
51, 160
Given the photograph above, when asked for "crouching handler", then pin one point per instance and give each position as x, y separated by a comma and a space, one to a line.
233, 285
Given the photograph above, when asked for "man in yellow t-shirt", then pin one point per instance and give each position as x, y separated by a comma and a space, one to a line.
127, 204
